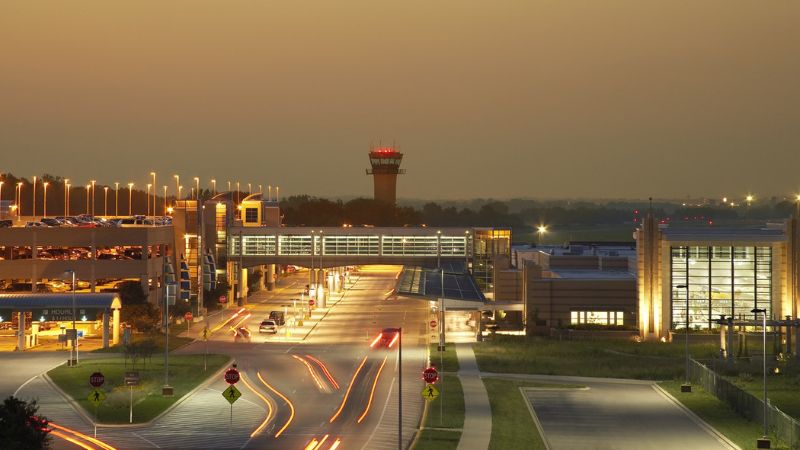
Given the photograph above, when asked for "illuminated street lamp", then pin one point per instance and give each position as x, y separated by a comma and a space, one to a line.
130, 199
764, 442
197, 182
116, 198
749, 199
149, 185
229, 185
260, 189
88, 188
180, 188
105, 201
165, 200
1, 198
249, 189
177, 184
155, 187
277, 193
269, 192
44, 198
34, 196
66, 197
540, 231
93, 196
214, 186
19, 199
237, 192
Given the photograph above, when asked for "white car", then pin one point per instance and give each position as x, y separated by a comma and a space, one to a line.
268, 326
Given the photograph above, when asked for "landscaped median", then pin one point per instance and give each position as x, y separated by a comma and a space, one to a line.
185, 373
444, 419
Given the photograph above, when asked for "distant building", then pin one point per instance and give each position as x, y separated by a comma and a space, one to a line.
385, 162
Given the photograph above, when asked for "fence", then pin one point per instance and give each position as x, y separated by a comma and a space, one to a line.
782, 426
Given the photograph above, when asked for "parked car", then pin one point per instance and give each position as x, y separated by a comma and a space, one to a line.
268, 326
278, 317
6, 223
50, 222
35, 225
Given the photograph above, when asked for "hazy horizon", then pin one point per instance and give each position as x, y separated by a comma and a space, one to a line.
539, 99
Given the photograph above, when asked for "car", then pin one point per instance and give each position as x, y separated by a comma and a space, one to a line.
50, 222
241, 333
6, 223
268, 326
278, 317
387, 338
35, 225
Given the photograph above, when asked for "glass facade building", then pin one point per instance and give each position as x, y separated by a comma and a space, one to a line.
719, 281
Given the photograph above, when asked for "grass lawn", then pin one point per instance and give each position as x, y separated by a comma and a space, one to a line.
186, 372
175, 341
449, 359
512, 424
782, 390
448, 424
719, 415
614, 359
437, 440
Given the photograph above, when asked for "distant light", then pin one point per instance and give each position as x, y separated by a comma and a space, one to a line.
83, 318
749, 198
542, 229
724, 199
41, 319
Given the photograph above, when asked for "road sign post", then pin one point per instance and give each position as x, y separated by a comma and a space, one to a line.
231, 394
188, 317
97, 395
131, 380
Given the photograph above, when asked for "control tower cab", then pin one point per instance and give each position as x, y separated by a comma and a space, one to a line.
385, 162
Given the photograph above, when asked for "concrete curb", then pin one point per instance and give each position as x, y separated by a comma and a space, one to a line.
535, 418
695, 418
86, 418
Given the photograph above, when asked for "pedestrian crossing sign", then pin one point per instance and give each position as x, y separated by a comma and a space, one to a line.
97, 396
205, 333
430, 392
231, 394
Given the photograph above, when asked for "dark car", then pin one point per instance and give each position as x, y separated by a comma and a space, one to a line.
241, 333
6, 223
278, 317
49, 221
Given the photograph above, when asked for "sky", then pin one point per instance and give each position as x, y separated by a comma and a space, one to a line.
502, 99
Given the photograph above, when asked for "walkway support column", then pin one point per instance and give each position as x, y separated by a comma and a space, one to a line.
21, 332
242, 284
115, 327
105, 328
270, 276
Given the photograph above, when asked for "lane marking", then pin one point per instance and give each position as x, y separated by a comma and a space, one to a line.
346, 394
372, 392
291, 406
23, 385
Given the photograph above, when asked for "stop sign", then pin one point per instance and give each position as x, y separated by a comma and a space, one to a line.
433, 324
311, 302
97, 379
223, 299
430, 375
232, 376
188, 316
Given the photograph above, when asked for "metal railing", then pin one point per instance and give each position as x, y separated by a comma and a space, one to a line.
781, 425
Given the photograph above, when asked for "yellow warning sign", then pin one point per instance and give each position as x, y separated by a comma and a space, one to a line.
97, 396
430, 392
205, 333
231, 394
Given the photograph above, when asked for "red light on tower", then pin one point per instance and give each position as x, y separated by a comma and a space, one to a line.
385, 162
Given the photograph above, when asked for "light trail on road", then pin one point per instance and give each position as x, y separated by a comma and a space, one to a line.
225, 322
291, 406
372, 392
311, 371
269, 405
71, 440
325, 370
80, 435
346, 394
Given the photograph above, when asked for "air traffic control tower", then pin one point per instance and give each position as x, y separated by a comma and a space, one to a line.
385, 162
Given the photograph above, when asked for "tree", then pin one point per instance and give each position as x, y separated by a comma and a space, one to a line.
136, 310
20, 427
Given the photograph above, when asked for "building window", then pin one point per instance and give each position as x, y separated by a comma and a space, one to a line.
719, 281
251, 215
607, 318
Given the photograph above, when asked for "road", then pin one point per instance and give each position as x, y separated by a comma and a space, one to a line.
619, 416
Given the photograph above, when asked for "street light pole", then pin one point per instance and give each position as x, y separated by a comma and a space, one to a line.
116, 198
105, 201
686, 386
93, 196
764, 442
44, 213
34, 196
400, 389
130, 199
66, 197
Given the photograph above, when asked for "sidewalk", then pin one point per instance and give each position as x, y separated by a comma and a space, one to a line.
477, 410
